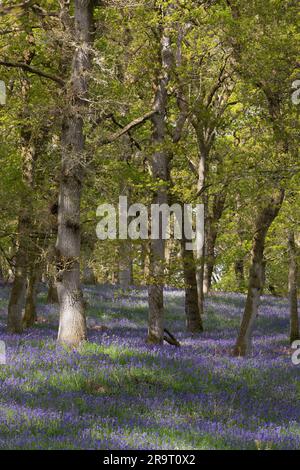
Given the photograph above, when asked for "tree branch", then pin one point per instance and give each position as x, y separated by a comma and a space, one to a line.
33, 70
133, 124
132, 139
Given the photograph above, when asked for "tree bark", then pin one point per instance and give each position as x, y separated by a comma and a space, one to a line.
72, 323
193, 317
202, 174
160, 173
30, 315
293, 291
256, 275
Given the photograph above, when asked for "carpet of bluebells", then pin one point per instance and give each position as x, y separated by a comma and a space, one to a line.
116, 392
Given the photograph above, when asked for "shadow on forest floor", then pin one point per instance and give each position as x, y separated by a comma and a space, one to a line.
116, 392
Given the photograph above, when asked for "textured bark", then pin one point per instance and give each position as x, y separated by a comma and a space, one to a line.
30, 315
155, 289
202, 174
293, 294
193, 317
256, 275
72, 323
160, 172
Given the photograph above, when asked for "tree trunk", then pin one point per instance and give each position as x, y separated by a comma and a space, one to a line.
156, 287
160, 173
72, 323
146, 261
25, 222
211, 233
52, 296
239, 272
193, 317
125, 269
125, 265
88, 276
200, 190
256, 275
18, 291
208, 271
293, 297
239, 264
30, 315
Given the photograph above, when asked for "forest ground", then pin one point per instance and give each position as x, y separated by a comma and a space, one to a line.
118, 393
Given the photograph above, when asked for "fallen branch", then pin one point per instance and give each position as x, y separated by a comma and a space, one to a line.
169, 338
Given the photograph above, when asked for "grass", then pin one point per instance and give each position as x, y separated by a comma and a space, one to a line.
116, 392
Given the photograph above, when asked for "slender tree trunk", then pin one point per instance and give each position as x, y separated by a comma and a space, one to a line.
125, 275
200, 190
208, 271
52, 295
239, 264
211, 233
209, 251
126, 269
72, 324
30, 315
168, 255
193, 317
293, 273
146, 261
160, 173
18, 291
239, 272
256, 275
17, 298
263, 223
25, 223
157, 271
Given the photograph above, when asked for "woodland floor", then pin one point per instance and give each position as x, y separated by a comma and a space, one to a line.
119, 393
